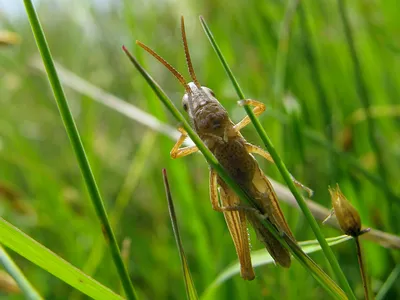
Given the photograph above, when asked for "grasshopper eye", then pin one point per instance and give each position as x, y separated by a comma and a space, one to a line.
185, 103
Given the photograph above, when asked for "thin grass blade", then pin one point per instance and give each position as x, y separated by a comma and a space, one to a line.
189, 284
77, 145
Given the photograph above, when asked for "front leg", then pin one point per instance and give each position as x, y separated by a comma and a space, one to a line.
177, 152
258, 109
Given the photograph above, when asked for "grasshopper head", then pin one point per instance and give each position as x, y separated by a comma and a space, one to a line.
197, 98
205, 112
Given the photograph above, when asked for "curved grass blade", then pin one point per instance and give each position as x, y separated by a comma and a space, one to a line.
79, 150
189, 284
27, 247
261, 258
306, 261
282, 169
15, 272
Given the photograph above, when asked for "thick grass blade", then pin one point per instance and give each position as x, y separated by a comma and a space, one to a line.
79, 150
261, 258
27, 247
189, 284
283, 170
325, 280
25, 286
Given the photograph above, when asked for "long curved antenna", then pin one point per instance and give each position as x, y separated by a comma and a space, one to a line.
187, 54
167, 65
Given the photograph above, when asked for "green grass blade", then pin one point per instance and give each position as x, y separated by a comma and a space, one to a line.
189, 284
261, 258
27, 247
390, 281
79, 150
283, 170
325, 281
15, 272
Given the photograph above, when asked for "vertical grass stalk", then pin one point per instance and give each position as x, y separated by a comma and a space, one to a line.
77, 145
189, 284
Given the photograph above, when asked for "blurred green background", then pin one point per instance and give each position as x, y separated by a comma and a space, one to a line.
292, 56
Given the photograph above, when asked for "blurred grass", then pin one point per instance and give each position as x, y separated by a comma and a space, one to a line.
37, 161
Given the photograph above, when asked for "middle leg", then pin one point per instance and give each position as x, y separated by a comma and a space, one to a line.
258, 150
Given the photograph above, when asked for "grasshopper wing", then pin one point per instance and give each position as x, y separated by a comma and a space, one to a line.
264, 194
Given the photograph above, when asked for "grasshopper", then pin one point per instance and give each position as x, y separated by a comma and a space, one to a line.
212, 123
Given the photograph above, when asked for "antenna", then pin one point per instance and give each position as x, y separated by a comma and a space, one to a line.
187, 54
167, 65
